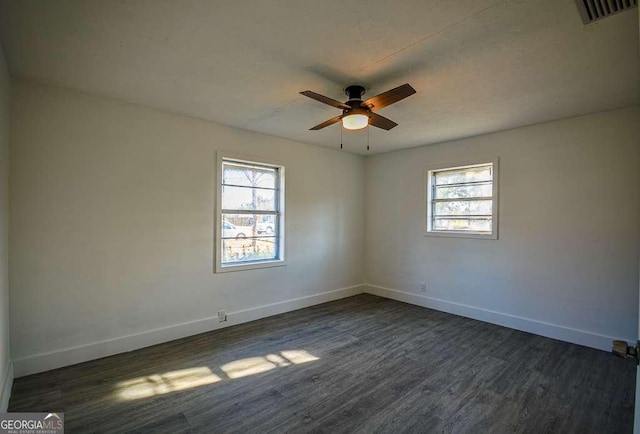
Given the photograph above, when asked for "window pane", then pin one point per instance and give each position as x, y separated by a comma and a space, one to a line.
467, 207
249, 175
248, 198
471, 174
249, 249
251, 211
462, 191
462, 224
240, 226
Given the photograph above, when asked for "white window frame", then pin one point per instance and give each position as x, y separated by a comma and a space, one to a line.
428, 214
217, 254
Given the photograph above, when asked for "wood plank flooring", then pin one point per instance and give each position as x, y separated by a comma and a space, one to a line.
363, 364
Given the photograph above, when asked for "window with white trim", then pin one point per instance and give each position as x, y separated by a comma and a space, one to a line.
462, 200
250, 214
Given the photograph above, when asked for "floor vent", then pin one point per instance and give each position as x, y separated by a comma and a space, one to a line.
595, 10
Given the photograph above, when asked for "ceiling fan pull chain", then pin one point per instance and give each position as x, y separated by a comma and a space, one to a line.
368, 133
340, 136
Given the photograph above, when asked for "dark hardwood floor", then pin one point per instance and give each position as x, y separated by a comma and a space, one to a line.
362, 364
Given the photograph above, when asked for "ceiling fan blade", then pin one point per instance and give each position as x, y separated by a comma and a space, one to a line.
327, 123
325, 99
389, 97
381, 122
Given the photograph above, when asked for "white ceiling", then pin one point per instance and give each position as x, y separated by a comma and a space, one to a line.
478, 65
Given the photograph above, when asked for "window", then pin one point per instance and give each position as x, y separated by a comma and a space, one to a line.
250, 204
463, 200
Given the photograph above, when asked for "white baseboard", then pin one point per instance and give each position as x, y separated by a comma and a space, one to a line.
82, 353
555, 331
7, 384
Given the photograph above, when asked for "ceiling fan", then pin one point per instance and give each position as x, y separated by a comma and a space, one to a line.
357, 114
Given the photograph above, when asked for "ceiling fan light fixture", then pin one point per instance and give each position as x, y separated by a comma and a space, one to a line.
355, 121
357, 114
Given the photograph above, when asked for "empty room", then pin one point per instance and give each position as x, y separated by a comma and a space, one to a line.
333, 216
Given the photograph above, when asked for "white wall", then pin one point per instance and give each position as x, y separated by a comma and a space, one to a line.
112, 227
6, 374
566, 261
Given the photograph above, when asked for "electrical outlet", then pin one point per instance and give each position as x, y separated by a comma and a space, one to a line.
423, 287
222, 316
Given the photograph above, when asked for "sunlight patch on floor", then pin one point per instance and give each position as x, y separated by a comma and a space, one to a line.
256, 365
183, 379
160, 384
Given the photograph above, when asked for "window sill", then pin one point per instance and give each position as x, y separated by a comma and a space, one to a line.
476, 235
249, 266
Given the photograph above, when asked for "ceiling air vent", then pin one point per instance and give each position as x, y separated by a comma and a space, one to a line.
595, 10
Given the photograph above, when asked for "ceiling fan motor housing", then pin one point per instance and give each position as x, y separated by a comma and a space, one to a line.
354, 92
